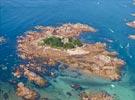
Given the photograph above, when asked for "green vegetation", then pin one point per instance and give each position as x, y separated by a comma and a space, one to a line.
65, 43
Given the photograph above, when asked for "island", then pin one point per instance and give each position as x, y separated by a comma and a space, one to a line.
62, 44
46, 47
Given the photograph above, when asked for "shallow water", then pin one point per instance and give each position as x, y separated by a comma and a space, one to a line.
108, 16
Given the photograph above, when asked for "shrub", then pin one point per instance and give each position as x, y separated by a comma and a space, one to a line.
57, 42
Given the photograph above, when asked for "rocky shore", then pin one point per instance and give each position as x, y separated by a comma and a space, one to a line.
90, 58
96, 96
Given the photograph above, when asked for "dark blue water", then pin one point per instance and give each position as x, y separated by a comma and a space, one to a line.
109, 17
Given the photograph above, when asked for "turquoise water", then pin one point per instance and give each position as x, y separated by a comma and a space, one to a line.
108, 16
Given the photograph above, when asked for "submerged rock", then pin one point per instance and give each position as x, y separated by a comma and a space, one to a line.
76, 86
69, 94
5, 96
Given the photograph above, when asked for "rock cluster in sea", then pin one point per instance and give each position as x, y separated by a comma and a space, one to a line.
91, 58
30, 75
42, 59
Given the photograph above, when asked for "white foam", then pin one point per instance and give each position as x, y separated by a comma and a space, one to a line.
112, 85
111, 30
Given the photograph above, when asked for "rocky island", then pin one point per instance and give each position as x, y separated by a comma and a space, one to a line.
48, 46
61, 44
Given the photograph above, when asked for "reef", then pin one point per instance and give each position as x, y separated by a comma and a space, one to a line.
96, 96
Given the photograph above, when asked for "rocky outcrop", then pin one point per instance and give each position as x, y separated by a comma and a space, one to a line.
96, 96
26, 93
32, 76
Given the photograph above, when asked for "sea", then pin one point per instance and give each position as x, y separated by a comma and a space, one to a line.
109, 17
